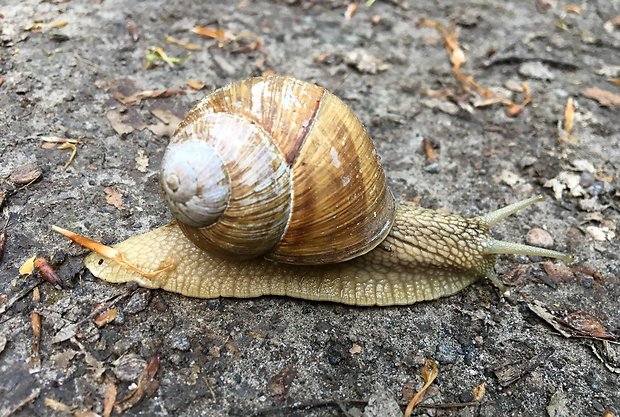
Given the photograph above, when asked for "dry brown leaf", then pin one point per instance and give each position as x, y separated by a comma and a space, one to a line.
107, 316
28, 266
604, 97
558, 272
196, 84
132, 30
585, 324
147, 385
430, 370
47, 272
569, 116
351, 9
1, 80
220, 35
543, 6
25, 174
183, 44
114, 197
109, 397
569, 8
146, 94
613, 81
479, 391
429, 149
281, 382
56, 405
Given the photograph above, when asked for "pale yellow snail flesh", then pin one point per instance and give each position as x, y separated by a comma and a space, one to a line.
426, 255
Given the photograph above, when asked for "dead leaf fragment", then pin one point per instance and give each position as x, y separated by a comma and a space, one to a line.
156, 54
430, 370
47, 272
605, 98
351, 9
281, 382
132, 30
183, 44
120, 123
569, 117
51, 142
56, 405
106, 317
142, 161
147, 385
543, 6
355, 349
558, 272
570, 8
114, 197
196, 84
28, 266
512, 372
429, 149
146, 94
25, 174
109, 397
218, 34
479, 391
584, 324
364, 62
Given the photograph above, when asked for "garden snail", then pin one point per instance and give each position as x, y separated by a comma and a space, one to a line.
276, 189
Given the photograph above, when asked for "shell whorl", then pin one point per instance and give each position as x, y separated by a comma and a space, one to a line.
258, 203
194, 183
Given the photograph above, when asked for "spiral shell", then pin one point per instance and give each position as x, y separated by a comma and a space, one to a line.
277, 167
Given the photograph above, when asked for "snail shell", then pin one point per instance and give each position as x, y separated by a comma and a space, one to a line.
277, 167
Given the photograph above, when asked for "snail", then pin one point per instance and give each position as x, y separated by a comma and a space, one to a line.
276, 189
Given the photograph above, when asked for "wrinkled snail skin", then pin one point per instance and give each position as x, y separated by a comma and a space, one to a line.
277, 190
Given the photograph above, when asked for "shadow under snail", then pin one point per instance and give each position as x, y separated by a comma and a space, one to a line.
276, 189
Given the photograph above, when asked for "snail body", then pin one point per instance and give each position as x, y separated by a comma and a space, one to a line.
276, 189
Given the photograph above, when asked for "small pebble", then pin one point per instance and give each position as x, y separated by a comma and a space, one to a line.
539, 237
334, 357
466, 397
527, 161
139, 301
586, 179
590, 204
447, 352
536, 70
180, 342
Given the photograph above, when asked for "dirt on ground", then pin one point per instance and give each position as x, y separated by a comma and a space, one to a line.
78, 76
